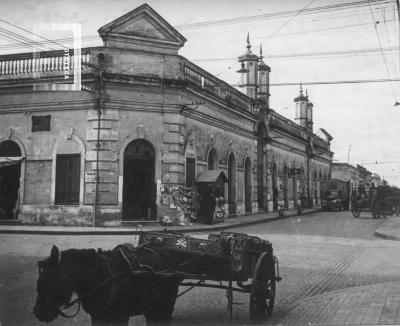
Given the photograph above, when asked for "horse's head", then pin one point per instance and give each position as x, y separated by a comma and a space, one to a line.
54, 288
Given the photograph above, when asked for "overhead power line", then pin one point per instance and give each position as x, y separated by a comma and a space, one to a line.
31, 33
383, 55
90, 38
329, 8
331, 82
20, 39
306, 54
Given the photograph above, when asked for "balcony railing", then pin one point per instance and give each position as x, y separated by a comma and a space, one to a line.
217, 87
318, 142
27, 63
286, 125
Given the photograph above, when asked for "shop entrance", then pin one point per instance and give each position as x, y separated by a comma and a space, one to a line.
10, 172
139, 189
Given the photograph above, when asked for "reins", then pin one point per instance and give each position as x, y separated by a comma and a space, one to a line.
80, 298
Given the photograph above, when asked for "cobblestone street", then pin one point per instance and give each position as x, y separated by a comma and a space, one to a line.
334, 270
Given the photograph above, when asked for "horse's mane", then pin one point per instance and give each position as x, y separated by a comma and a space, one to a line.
84, 256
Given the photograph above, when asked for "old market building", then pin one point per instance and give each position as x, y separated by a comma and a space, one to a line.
147, 122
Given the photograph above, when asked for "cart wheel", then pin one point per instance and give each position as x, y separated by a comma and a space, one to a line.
263, 286
356, 212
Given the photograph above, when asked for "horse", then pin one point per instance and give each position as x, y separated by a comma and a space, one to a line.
110, 285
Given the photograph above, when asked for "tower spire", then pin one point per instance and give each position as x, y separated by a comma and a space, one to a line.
301, 88
261, 54
248, 42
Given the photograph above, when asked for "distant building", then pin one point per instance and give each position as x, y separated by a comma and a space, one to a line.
346, 172
149, 122
368, 178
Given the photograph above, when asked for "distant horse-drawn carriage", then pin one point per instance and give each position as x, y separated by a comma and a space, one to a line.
113, 285
380, 201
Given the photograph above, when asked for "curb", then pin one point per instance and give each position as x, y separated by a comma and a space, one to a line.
386, 236
108, 231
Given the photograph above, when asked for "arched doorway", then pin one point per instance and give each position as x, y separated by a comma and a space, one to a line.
285, 187
232, 184
212, 160
275, 191
247, 185
10, 173
139, 189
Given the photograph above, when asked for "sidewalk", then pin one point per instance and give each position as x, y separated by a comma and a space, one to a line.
117, 230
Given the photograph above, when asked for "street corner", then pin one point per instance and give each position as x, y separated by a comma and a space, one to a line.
389, 230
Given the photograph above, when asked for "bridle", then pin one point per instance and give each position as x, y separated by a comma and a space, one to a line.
79, 299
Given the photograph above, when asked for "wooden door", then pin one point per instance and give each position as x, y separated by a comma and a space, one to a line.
68, 178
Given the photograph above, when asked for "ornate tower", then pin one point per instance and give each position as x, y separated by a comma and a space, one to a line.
310, 122
249, 71
263, 80
302, 106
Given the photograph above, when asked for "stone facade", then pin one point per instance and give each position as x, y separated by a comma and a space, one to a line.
150, 119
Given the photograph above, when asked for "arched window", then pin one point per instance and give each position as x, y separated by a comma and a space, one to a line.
212, 160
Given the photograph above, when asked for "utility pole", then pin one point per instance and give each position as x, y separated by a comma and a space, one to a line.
348, 155
99, 102
99, 108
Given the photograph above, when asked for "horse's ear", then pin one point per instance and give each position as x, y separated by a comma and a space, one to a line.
54, 255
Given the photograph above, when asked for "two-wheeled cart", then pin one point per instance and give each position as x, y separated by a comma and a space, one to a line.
221, 261
380, 201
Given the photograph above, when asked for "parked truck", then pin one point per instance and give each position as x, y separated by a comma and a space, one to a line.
335, 194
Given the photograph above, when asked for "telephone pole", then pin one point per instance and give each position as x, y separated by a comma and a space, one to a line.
99, 103
99, 108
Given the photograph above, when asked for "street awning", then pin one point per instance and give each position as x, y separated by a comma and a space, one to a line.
8, 161
211, 176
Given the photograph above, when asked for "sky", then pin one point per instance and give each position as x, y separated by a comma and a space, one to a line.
297, 43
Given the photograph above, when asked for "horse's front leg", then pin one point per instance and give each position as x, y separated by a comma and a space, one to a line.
110, 321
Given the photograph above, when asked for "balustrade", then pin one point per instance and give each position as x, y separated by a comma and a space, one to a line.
216, 87
40, 65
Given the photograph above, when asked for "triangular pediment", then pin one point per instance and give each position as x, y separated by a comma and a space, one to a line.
143, 25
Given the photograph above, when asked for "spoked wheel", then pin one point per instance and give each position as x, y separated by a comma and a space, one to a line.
263, 286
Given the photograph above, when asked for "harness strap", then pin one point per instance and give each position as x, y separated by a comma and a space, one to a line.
158, 255
113, 288
131, 260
